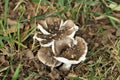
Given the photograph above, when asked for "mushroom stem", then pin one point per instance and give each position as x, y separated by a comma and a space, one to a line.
76, 27
65, 67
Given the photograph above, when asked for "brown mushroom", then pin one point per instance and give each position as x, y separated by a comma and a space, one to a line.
54, 29
45, 55
73, 55
62, 44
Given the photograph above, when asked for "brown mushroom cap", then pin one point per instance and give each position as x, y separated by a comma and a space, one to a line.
75, 52
62, 44
54, 29
67, 25
51, 24
45, 55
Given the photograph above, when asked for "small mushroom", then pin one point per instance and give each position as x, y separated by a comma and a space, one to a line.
69, 28
52, 29
62, 44
45, 55
73, 55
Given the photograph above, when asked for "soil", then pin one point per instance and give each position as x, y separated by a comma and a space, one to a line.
99, 34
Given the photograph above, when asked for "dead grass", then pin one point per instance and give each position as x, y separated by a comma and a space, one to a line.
99, 25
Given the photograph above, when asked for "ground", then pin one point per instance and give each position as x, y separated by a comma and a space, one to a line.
99, 25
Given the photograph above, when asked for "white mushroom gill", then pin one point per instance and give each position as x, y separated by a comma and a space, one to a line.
61, 23
75, 30
42, 30
39, 39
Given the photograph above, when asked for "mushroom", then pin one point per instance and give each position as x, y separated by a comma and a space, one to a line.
62, 44
45, 55
73, 55
53, 29
58, 44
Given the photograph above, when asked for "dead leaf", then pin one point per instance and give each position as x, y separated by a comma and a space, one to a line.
109, 28
2, 60
109, 34
118, 32
116, 14
71, 75
54, 75
100, 17
12, 26
118, 78
28, 54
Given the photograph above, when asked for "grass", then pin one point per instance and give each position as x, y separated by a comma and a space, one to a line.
5, 12
16, 74
99, 67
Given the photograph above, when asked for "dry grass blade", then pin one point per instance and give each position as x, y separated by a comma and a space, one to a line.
99, 25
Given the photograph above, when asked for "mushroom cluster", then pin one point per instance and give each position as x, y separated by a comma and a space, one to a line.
58, 42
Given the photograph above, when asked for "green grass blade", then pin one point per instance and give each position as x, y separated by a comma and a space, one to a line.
15, 76
18, 35
30, 76
5, 11
113, 23
113, 18
76, 78
61, 2
92, 2
20, 44
1, 43
30, 32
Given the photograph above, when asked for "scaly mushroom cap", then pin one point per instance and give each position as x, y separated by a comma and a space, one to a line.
62, 44
75, 54
54, 29
45, 55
